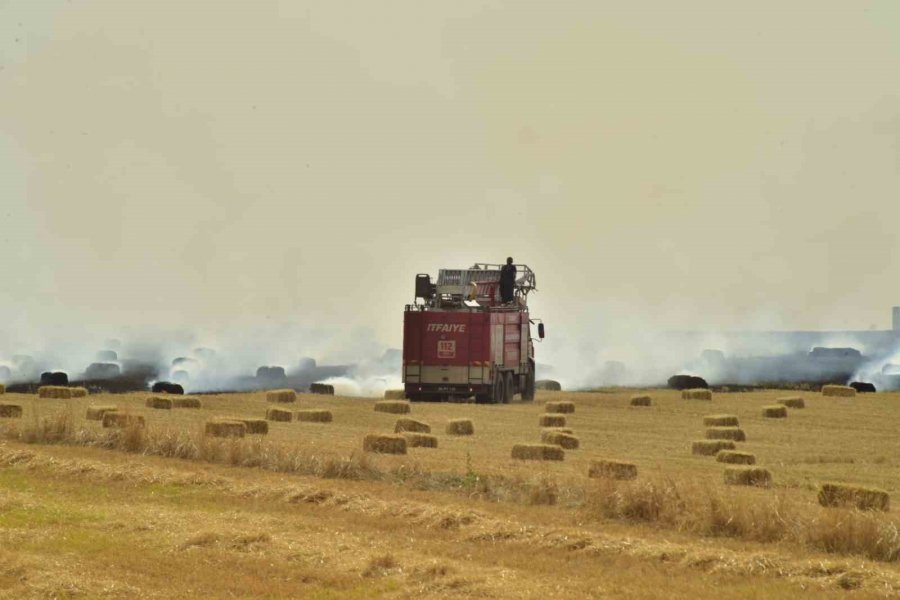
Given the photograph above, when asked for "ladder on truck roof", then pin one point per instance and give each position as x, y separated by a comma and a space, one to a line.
458, 282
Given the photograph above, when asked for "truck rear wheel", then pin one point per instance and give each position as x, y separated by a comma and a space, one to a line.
499, 389
528, 392
509, 388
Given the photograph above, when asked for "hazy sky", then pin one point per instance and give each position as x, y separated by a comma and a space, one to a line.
670, 165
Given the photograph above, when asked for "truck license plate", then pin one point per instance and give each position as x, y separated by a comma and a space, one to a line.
446, 349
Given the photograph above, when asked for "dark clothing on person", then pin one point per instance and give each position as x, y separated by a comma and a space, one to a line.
507, 283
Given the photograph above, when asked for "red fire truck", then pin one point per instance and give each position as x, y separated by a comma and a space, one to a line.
460, 341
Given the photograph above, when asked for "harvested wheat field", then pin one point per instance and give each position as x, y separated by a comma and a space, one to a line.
463, 518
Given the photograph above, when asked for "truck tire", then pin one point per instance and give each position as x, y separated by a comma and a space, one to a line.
499, 390
528, 392
509, 388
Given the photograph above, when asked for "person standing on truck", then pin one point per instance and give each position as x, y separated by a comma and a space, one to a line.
507, 281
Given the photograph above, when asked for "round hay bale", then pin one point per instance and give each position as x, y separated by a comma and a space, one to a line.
95, 413
774, 411
225, 428
56, 378
753, 476
167, 387
254, 426
686, 382
792, 402
397, 407
696, 394
395, 394
537, 452
726, 433
122, 420
552, 421
840, 391
641, 401
735, 458
548, 385
720, 421
384, 444
863, 387
612, 469
279, 414
10, 411
558, 438
406, 424
853, 496
283, 396
159, 402
710, 447
460, 427
54, 391
321, 388
420, 440
79, 392
559, 407
314, 415
186, 402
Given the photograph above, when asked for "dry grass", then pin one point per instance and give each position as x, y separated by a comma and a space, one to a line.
612, 469
55, 391
641, 401
720, 421
395, 394
792, 402
861, 498
552, 421
384, 444
95, 413
396, 407
315, 415
279, 414
726, 433
559, 438
186, 402
754, 476
735, 458
412, 425
460, 427
775, 411
537, 452
710, 447
842, 391
420, 440
10, 411
697, 394
159, 402
281, 396
226, 428
559, 407
113, 419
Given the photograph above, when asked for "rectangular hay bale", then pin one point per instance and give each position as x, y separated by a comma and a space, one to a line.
559, 407
282, 396
420, 440
460, 427
720, 421
853, 496
54, 391
558, 438
314, 415
726, 433
537, 452
186, 402
775, 411
792, 402
279, 414
159, 402
710, 447
225, 428
696, 394
641, 401
753, 476
395, 394
95, 413
122, 420
10, 411
384, 444
406, 424
841, 391
397, 407
79, 392
734, 457
612, 469
552, 421
254, 426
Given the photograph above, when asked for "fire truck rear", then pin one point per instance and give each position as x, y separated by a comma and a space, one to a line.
460, 341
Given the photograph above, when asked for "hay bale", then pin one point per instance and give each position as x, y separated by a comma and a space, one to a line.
420, 440
254, 426
384, 444
845, 495
734, 457
11, 411
159, 402
460, 427
559, 407
696, 394
122, 420
687, 382
225, 428
863, 387
552, 421
167, 387
841, 391
79, 392
792, 402
314, 415
279, 414
710, 447
641, 401
395, 394
547, 385
537, 452
397, 407
726, 433
282, 396
560, 429
95, 413
612, 469
56, 378
406, 424
2, 389
755, 476
558, 438
54, 391
321, 388
720, 421
774, 411
186, 402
